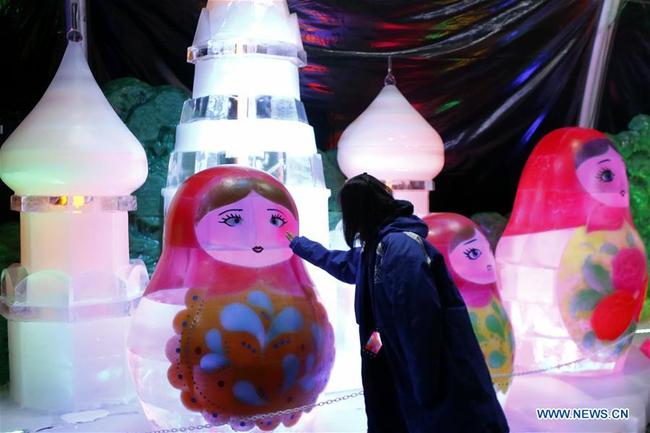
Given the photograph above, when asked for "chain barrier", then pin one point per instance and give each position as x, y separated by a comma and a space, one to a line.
504, 377
359, 392
303, 408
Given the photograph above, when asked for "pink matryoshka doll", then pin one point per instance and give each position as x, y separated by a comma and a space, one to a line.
570, 264
230, 326
470, 262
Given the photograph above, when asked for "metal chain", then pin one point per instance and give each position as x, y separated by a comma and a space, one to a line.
359, 392
303, 408
258, 417
504, 377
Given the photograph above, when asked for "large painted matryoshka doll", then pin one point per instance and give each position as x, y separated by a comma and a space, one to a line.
470, 262
230, 326
570, 264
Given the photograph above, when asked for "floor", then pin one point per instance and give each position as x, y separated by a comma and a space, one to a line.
629, 389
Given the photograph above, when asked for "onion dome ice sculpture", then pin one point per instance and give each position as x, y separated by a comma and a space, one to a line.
73, 142
470, 262
230, 326
393, 142
73, 166
570, 264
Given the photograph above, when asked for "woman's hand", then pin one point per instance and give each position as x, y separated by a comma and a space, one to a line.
289, 236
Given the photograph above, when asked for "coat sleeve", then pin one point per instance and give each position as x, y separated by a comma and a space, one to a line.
416, 315
342, 265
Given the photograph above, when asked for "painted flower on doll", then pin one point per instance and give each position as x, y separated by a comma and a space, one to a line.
602, 283
629, 270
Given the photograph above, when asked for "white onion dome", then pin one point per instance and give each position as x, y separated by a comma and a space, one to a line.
391, 141
73, 142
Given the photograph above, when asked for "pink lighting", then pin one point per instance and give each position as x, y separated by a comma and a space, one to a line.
230, 325
470, 262
230, 234
571, 265
72, 164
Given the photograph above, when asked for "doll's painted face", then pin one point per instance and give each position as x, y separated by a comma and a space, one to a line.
250, 232
603, 177
473, 260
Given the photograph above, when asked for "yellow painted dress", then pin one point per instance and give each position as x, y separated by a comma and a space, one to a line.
494, 334
602, 281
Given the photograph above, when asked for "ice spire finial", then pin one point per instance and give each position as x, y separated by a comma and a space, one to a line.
390, 78
74, 33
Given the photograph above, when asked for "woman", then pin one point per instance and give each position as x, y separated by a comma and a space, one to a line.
427, 374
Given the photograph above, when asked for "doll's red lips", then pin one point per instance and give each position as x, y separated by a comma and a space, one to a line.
258, 249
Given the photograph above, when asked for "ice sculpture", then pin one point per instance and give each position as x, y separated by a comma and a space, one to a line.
230, 325
246, 108
393, 142
570, 264
470, 262
73, 165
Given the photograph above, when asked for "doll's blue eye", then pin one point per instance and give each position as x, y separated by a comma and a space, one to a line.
278, 220
231, 220
605, 175
472, 253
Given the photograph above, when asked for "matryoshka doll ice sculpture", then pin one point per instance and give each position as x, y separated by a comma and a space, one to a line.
570, 264
230, 326
470, 262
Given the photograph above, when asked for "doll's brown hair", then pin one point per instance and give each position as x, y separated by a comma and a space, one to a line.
234, 189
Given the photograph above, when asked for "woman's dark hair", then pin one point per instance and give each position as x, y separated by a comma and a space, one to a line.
366, 204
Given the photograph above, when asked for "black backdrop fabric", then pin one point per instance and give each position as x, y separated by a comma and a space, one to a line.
626, 91
492, 76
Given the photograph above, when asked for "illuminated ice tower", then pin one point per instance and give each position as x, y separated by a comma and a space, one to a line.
73, 166
245, 107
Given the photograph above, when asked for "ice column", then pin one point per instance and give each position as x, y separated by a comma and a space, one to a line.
73, 166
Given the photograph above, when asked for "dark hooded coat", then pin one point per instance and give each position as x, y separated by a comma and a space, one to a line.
430, 375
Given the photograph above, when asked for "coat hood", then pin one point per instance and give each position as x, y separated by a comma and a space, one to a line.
405, 221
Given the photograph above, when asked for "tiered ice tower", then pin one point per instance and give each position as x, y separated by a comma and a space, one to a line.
245, 107
246, 110
73, 165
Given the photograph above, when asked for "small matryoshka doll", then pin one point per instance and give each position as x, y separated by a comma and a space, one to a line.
571, 266
470, 262
230, 326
